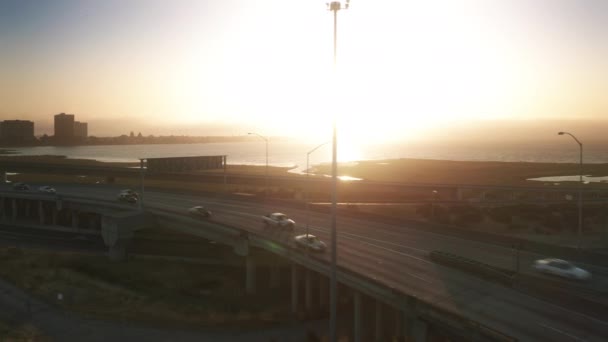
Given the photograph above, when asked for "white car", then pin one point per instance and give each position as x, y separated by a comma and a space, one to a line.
561, 268
125, 197
199, 211
309, 241
130, 192
47, 189
278, 220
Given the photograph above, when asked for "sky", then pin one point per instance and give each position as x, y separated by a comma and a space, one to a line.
405, 69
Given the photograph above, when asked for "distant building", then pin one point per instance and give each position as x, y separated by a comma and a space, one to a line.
64, 128
81, 129
16, 131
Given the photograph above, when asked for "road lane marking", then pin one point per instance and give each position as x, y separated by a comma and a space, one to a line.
561, 332
371, 239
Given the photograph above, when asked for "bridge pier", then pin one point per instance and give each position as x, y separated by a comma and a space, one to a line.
379, 326
294, 288
357, 318
75, 219
308, 290
459, 194
323, 286
2, 209
118, 251
41, 212
14, 213
117, 230
275, 277
399, 325
250, 275
54, 214
418, 330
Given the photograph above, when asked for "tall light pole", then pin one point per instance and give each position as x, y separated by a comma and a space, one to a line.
334, 6
266, 178
140, 200
580, 189
308, 187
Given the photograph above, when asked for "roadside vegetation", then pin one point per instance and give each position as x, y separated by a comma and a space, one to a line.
10, 332
152, 292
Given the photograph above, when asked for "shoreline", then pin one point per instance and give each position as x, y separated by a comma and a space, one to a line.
404, 170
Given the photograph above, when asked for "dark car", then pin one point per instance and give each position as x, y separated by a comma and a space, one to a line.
21, 186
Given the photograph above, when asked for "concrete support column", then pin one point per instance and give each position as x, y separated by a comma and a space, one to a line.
418, 330
75, 219
27, 208
54, 214
379, 328
250, 275
118, 251
2, 208
14, 213
275, 277
308, 290
41, 212
323, 286
294, 288
459, 194
357, 318
399, 325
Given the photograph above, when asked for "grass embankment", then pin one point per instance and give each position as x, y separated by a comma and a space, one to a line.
459, 172
20, 333
154, 292
62, 160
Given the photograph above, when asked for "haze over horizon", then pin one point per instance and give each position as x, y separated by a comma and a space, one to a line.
406, 70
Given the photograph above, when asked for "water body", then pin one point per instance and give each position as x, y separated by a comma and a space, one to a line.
559, 179
293, 154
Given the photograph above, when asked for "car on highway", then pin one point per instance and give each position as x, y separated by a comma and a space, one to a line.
47, 189
561, 268
21, 186
199, 211
126, 197
130, 193
309, 241
278, 220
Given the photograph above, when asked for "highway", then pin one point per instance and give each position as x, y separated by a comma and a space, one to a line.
397, 256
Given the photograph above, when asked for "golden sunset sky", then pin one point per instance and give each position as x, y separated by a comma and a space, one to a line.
210, 67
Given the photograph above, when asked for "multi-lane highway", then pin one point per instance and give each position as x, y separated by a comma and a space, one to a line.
398, 256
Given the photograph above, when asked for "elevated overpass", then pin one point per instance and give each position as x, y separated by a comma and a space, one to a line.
475, 193
384, 269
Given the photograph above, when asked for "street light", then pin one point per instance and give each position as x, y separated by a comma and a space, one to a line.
266, 180
308, 187
435, 194
140, 200
334, 6
580, 190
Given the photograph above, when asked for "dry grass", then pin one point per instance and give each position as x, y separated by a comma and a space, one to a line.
155, 292
460, 172
21, 333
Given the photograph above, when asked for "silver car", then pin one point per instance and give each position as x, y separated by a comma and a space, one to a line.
309, 241
199, 211
47, 189
561, 268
